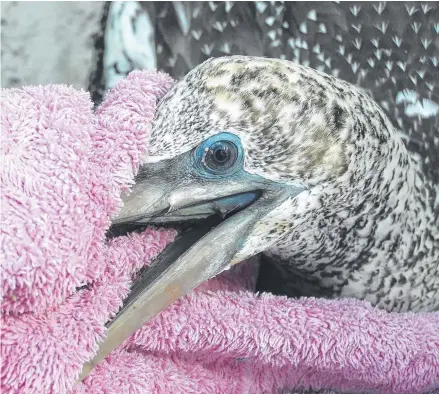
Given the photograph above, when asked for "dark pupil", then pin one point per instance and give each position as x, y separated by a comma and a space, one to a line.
221, 154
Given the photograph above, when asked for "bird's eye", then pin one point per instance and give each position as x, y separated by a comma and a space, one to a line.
218, 156
221, 156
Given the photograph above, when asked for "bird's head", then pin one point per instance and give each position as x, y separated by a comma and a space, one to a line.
250, 139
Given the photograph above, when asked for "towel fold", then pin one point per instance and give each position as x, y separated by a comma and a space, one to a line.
63, 168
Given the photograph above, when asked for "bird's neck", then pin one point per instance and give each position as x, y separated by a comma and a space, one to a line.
376, 240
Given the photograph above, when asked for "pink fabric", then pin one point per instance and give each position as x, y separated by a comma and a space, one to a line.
63, 167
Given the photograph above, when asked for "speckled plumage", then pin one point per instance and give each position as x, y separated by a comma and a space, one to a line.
367, 226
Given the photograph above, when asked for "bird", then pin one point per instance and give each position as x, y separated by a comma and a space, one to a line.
309, 129
300, 166
338, 201
389, 50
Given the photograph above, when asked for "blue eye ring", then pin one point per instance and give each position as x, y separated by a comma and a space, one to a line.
220, 155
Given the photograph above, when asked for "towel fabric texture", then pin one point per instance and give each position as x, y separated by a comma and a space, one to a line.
62, 171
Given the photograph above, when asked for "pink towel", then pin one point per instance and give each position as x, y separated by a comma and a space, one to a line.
63, 167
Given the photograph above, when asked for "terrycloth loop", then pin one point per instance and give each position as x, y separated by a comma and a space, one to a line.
63, 168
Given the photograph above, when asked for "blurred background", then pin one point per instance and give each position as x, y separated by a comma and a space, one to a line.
391, 49
48, 42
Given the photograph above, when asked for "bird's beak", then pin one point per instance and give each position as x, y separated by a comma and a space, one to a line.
166, 192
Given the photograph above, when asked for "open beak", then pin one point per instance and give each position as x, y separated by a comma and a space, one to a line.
230, 209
